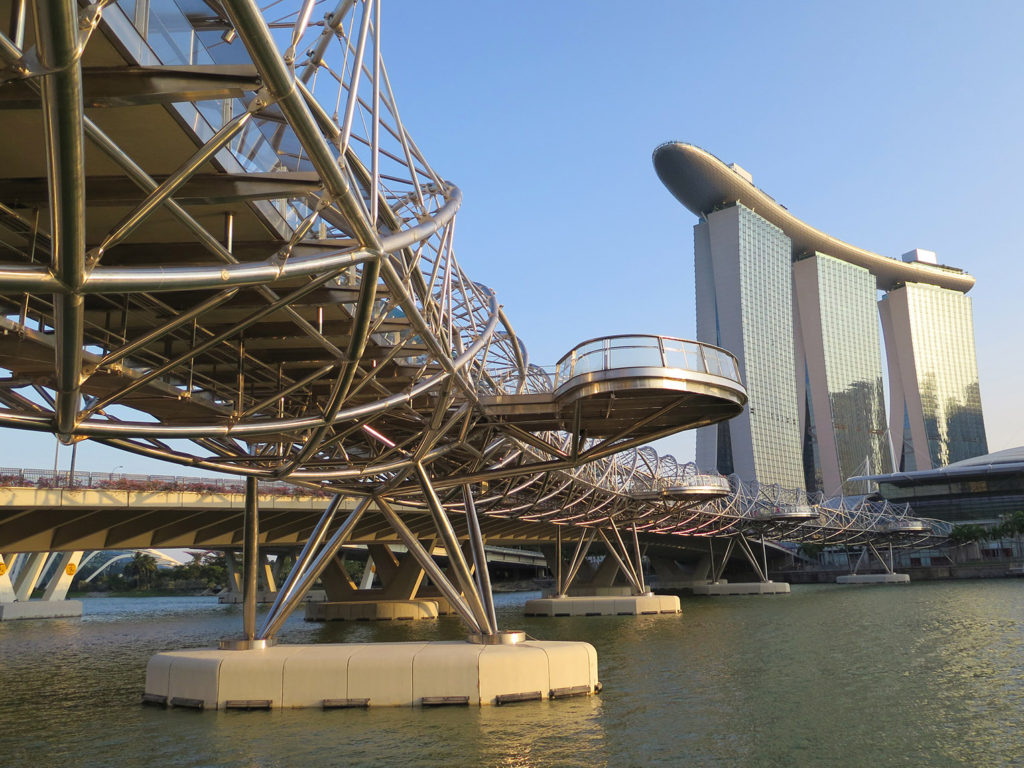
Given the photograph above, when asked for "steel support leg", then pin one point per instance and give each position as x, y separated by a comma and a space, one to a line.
297, 588
578, 557
625, 561
476, 540
558, 561
725, 559
427, 563
304, 558
626, 571
250, 557
877, 554
751, 557
455, 559
639, 560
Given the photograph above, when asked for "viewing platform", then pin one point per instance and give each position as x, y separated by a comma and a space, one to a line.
640, 384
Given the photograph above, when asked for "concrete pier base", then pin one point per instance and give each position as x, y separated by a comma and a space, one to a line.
740, 588
600, 605
684, 587
874, 578
371, 675
377, 610
41, 609
263, 597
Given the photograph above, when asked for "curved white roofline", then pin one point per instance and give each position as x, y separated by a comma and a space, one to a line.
702, 183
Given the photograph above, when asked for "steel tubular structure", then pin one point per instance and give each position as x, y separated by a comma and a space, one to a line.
228, 252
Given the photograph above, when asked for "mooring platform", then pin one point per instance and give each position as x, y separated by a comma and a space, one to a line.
372, 610
600, 605
41, 609
372, 675
741, 588
874, 578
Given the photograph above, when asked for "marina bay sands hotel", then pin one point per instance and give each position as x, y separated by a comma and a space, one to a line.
798, 309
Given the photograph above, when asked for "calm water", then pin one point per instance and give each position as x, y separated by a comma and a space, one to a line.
930, 674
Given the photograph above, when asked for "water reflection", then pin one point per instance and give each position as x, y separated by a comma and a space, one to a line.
926, 674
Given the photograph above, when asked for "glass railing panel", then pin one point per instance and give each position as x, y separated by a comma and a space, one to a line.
634, 356
589, 347
646, 351
685, 355
590, 362
564, 371
726, 364
711, 360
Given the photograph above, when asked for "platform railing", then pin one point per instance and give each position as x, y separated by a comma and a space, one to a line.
645, 351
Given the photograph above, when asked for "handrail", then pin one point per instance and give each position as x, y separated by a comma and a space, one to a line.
646, 350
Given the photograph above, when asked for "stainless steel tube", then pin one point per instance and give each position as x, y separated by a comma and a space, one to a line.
302, 561
476, 539
57, 33
250, 557
315, 569
427, 564
456, 560
622, 566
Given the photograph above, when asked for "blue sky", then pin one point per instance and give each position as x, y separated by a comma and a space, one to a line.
890, 125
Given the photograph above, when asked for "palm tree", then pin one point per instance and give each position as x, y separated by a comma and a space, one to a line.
143, 567
1012, 527
962, 535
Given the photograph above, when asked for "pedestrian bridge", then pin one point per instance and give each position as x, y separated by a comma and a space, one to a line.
221, 247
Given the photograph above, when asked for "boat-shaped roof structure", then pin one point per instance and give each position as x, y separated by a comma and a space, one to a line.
703, 183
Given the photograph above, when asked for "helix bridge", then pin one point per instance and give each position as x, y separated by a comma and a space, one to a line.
220, 247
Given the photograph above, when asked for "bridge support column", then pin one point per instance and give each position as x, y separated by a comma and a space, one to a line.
60, 582
764, 586
7, 594
268, 577
600, 597
27, 570
395, 600
234, 577
888, 577
250, 558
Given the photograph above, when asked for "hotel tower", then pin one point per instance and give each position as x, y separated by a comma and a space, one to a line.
800, 310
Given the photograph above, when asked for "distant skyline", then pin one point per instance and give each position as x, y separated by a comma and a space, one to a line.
890, 126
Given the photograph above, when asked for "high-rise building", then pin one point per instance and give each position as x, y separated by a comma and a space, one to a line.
798, 308
934, 394
839, 369
745, 304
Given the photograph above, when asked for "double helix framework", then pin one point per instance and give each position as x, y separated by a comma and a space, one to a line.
220, 247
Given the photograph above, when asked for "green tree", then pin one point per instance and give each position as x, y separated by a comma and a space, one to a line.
810, 550
962, 535
142, 567
1011, 527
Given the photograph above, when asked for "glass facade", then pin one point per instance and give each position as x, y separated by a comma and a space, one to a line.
933, 375
841, 354
753, 317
